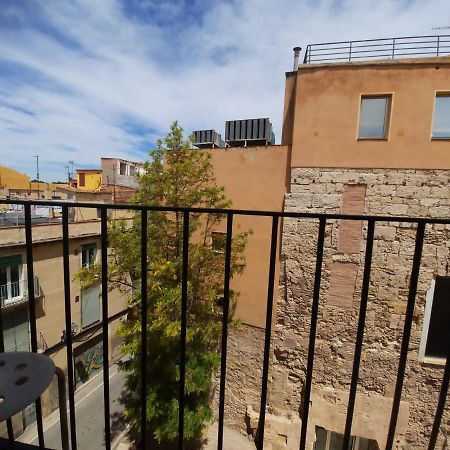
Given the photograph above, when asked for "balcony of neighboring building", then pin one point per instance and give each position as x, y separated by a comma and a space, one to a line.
13, 293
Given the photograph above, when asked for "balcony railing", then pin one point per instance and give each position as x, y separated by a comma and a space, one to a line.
15, 293
418, 223
378, 49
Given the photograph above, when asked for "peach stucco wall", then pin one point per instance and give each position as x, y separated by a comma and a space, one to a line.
327, 112
254, 178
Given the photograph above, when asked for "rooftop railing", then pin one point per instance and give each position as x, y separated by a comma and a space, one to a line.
378, 49
276, 217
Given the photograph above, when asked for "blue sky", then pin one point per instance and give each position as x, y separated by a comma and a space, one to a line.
82, 79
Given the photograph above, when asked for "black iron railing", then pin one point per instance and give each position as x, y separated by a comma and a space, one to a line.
276, 217
375, 49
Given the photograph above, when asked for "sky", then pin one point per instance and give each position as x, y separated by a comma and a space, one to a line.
82, 79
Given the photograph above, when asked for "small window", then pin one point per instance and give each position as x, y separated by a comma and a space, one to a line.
90, 306
218, 241
436, 332
330, 440
374, 117
132, 171
88, 255
441, 120
11, 283
82, 179
123, 169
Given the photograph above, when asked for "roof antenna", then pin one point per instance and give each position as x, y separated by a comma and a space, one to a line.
297, 51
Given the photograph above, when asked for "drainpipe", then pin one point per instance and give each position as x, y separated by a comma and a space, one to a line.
297, 51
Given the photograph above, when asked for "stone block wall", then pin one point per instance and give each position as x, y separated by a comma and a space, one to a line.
386, 192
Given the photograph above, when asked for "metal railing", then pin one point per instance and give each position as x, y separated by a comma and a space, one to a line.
16, 292
378, 49
230, 214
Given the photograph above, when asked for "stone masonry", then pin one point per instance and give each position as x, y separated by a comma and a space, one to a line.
384, 192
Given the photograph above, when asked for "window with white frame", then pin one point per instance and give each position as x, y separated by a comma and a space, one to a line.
330, 440
441, 119
88, 254
436, 325
11, 284
374, 116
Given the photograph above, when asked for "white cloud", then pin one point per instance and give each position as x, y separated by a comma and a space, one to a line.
100, 71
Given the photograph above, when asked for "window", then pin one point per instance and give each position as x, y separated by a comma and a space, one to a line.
329, 440
436, 329
88, 254
132, 170
441, 120
123, 169
90, 306
11, 284
16, 333
218, 241
82, 179
374, 117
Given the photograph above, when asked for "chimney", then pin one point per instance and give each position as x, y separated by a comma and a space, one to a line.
297, 51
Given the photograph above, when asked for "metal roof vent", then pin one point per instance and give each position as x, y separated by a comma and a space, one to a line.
247, 132
207, 139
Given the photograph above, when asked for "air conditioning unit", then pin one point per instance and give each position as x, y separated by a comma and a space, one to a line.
207, 139
249, 132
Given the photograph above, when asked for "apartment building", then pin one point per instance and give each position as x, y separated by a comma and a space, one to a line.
366, 137
84, 250
120, 172
363, 133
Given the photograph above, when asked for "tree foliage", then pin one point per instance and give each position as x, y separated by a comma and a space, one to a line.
175, 176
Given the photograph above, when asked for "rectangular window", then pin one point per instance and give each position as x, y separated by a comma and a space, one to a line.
90, 306
82, 179
441, 120
11, 283
436, 334
88, 255
132, 170
330, 440
123, 169
374, 117
16, 333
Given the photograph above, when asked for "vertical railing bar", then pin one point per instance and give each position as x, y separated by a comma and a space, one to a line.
106, 405
437, 49
393, 48
32, 311
226, 307
268, 332
350, 52
68, 318
441, 403
184, 294
144, 267
360, 332
9, 424
312, 331
406, 332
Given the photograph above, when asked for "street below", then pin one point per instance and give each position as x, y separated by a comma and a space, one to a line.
89, 416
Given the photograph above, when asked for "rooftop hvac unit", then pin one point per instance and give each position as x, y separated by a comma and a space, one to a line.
249, 132
207, 139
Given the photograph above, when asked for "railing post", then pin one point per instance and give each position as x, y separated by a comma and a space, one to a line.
350, 52
437, 49
393, 48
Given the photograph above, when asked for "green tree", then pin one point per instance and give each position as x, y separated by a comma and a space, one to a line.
176, 176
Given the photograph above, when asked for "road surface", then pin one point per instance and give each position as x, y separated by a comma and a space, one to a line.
89, 416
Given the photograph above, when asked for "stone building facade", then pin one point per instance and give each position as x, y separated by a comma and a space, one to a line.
370, 192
